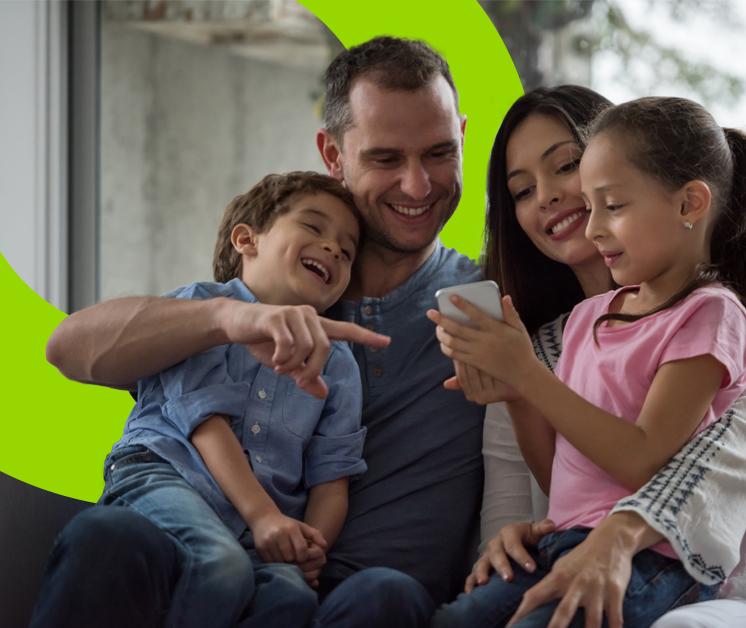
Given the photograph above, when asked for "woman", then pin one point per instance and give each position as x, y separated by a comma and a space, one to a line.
537, 251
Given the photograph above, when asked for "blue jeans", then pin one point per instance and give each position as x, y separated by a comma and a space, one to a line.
657, 584
222, 580
111, 566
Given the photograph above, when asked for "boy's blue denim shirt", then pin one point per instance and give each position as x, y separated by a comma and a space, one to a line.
293, 440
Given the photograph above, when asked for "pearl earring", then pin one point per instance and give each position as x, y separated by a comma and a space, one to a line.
688, 225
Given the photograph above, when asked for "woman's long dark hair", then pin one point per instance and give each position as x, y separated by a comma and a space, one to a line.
541, 288
676, 141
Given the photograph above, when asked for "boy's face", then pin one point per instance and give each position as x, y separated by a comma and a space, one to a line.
306, 255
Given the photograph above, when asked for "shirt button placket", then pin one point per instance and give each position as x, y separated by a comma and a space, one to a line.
367, 312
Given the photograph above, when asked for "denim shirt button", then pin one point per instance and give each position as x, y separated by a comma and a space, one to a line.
259, 458
367, 310
262, 394
256, 428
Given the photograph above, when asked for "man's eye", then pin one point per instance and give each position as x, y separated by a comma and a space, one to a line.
386, 160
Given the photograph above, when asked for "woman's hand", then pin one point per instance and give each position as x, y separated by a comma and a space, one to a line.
594, 575
510, 542
501, 349
478, 386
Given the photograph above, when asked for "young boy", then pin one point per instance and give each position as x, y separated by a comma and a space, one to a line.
245, 470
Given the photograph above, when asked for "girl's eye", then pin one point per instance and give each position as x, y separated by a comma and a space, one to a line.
570, 166
312, 227
347, 254
611, 207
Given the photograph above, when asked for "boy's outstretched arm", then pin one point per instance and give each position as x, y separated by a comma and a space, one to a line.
117, 342
277, 538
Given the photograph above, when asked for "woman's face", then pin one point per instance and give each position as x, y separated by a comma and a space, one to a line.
542, 158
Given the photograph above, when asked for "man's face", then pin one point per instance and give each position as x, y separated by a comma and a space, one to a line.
401, 159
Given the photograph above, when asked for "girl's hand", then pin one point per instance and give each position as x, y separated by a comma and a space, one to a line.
478, 386
510, 542
501, 349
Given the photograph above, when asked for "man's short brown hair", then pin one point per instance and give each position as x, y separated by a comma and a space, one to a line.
391, 63
260, 207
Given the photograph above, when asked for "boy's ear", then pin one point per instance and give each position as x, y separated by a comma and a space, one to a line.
243, 239
696, 202
331, 154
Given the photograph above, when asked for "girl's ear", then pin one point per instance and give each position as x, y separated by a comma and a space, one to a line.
697, 200
243, 239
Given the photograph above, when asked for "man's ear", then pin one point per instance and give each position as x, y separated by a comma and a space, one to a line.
243, 239
463, 129
697, 201
331, 153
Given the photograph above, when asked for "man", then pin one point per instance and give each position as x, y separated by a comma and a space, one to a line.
393, 134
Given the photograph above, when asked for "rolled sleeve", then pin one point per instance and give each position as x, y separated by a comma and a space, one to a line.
188, 411
330, 458
336, 447
199, 387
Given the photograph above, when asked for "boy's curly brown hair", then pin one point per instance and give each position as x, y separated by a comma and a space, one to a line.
260, 207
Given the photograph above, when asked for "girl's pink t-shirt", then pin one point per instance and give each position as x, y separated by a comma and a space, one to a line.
616, 374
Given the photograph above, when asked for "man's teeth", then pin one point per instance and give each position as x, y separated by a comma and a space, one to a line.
562, 224
409, 211
312, 263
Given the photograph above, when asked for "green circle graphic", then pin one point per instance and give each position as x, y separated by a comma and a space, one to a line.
55, 433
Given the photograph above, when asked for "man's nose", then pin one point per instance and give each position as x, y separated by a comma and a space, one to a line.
415, 181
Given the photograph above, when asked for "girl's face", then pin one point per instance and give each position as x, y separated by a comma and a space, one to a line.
635, 222
542, 159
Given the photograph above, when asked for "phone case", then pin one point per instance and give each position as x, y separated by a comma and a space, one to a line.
483, 294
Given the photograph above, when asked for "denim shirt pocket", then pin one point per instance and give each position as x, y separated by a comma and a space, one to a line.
301, 411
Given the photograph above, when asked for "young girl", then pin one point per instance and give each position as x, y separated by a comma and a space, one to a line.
643, 367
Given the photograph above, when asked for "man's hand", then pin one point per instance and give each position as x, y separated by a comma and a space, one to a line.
293, 339
593, 576
281, 539
510, 542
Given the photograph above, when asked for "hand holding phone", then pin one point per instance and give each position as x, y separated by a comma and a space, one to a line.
483, 294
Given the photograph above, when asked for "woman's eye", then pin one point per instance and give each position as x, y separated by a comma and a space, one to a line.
570, 166
521, 194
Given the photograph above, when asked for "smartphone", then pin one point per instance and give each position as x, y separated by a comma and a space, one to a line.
483, 294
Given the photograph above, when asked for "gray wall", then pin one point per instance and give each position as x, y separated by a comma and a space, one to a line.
184, 128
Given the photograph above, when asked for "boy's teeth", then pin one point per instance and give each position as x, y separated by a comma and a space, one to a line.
409, 211
566, 222
312, 263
